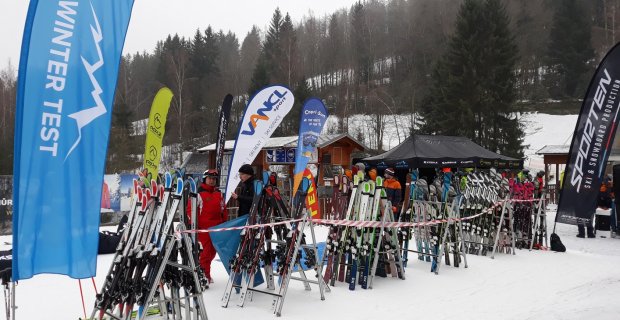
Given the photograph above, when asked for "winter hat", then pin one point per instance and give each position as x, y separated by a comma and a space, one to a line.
389, 171
247, 169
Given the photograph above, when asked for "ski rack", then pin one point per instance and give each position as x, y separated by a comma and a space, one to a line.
198, 310
457, 242
447, 238
501, 243
391, 249
279, 296
540, 223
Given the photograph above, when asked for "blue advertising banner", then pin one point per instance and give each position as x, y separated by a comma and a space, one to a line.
313, 117
69, 62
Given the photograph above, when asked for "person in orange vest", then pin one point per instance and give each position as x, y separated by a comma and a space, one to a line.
212, 212
393, 189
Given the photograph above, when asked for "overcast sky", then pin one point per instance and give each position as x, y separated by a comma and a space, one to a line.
152, 20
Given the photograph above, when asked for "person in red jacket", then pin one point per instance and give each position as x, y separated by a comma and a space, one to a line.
211, 212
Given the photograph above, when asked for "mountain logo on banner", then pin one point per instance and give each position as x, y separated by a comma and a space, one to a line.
86, 116
268, 105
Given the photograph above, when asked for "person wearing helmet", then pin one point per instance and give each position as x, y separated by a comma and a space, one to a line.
246, 192
211, 212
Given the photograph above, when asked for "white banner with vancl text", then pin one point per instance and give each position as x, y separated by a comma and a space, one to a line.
262, 116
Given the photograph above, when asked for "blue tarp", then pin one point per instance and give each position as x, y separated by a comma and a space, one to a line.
226, 244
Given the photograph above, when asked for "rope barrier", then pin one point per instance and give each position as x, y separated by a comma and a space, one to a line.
363, 224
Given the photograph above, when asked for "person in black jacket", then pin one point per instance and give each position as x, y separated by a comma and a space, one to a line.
246, 194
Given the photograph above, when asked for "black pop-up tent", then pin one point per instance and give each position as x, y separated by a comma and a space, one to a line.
426, 151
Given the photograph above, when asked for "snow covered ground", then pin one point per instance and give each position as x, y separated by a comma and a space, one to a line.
582, 283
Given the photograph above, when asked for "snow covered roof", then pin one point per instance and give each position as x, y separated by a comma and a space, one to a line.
289, 142
554, 149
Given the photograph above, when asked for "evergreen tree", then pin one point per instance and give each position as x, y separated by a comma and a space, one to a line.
290, 124
267, 70
288, 64
8, 94
260, 78
122, 145
360, 43
569, 50
272, 50
474, 81
250, 51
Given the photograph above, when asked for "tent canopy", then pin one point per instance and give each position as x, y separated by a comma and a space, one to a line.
426, 151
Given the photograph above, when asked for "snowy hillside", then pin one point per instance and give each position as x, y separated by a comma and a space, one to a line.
540, 130
545, 129
582, 283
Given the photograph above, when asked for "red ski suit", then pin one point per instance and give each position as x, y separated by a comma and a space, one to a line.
211, 213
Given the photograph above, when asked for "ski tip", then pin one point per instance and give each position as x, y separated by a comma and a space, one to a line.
228, 99
265, 178
305, 184
167, 180
273, 179
154, 188
145, 200
258, 186
179, 188
192, 185
179, 173
366, 187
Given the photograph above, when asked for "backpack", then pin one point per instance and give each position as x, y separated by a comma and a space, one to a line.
556, 243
